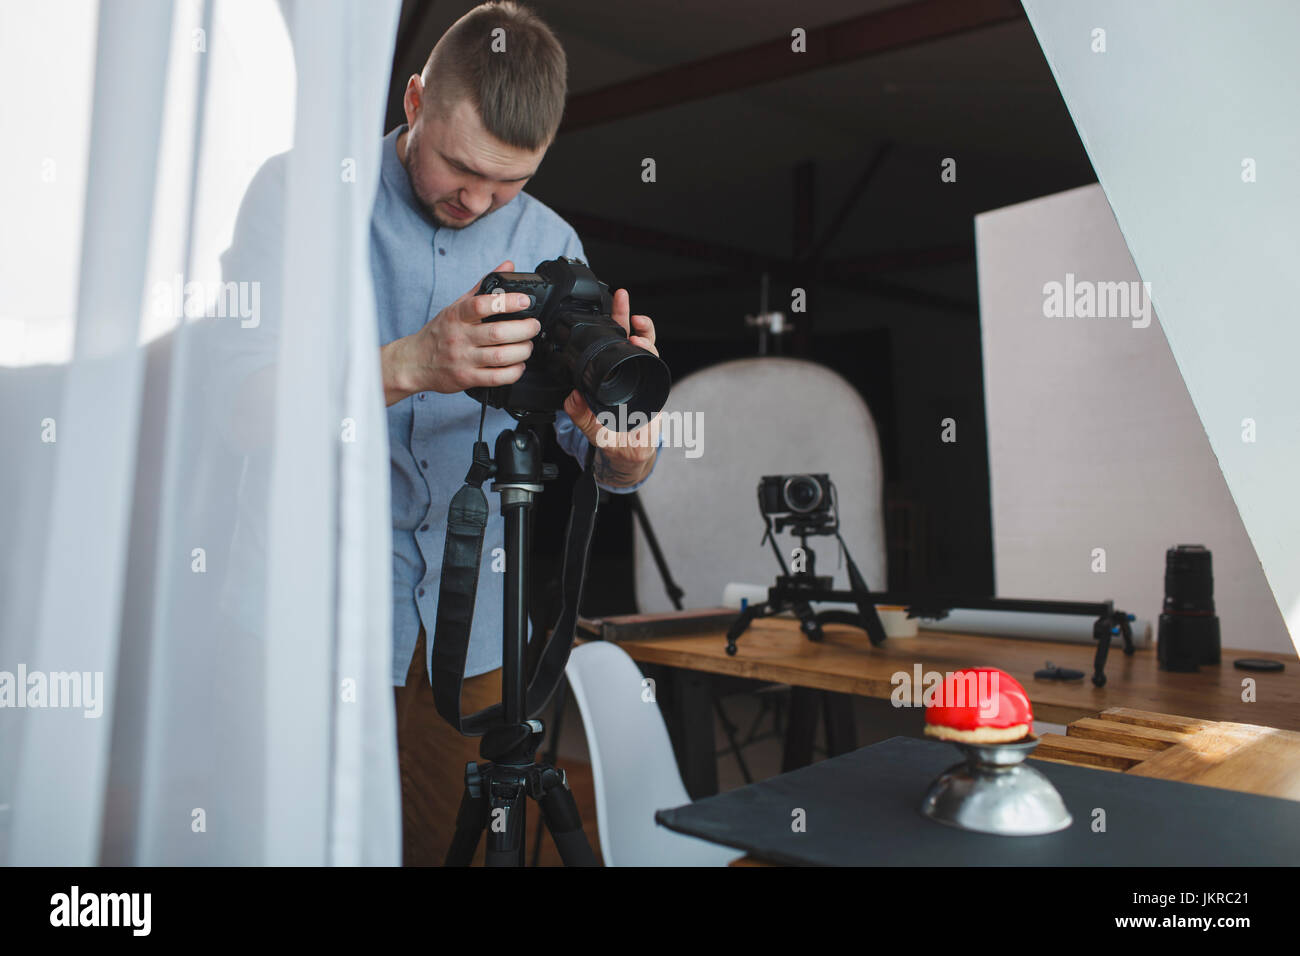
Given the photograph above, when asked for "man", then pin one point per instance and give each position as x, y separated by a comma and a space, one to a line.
450, 208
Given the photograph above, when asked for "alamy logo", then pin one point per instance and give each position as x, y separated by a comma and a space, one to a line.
937, 689
677, 429
1084, 299
220, 300
102, 909
84, 689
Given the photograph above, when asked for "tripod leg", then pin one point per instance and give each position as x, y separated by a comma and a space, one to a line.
560, 811
1100, 634
674, 592
549, 757
470, 819
808, 622
506, 824
741, 624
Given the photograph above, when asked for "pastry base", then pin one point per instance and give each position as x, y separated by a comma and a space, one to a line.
979, 735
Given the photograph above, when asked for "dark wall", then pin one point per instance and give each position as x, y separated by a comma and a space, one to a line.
759, 175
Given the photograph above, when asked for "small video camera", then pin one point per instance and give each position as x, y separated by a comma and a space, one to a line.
795, 494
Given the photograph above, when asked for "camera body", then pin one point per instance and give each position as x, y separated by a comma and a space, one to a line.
579, 346
803, 495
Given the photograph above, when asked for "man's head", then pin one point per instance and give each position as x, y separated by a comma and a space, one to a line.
483, 112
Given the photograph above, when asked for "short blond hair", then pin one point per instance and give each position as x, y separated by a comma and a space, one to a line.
519, 91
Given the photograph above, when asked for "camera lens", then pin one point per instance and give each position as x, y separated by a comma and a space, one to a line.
1189, 580
1188, 634
802, 493
619, 384
619, 373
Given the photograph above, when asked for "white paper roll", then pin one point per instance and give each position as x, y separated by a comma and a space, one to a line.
1071, 628
896, 622
1074, 628
733, 592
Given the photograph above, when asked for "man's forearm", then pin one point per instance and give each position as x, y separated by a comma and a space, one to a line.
620, 474
396, 370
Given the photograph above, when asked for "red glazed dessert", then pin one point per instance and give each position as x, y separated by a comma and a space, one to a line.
979, 705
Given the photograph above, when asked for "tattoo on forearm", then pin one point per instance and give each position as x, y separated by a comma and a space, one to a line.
614, 474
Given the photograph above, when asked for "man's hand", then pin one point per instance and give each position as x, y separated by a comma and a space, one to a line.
622, 458
457, 350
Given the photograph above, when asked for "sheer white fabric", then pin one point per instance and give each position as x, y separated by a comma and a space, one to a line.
194, 493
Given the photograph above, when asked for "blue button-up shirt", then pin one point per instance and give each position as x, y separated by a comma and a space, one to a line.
419, 269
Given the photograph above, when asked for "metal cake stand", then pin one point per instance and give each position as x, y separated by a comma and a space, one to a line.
994, 791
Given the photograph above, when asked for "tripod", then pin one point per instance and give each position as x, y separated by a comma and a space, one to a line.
497, 791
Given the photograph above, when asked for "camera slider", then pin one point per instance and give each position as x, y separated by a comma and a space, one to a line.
796, 591
1109, 622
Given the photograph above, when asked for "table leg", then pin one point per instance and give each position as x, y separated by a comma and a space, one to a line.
801, 727
841, 728
697, 757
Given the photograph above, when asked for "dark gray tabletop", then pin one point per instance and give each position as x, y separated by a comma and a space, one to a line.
863, 809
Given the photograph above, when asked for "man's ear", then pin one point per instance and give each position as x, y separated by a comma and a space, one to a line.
412, 98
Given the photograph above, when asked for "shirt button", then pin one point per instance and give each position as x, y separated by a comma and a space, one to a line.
421, 396
421, 592
442, 251
423, 463
424, 527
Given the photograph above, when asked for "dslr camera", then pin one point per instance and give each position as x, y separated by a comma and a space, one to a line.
580, 346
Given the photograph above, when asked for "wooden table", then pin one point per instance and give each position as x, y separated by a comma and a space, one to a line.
1243, 757
773, 649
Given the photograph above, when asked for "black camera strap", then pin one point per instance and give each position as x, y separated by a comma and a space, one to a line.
867, 616
466, 521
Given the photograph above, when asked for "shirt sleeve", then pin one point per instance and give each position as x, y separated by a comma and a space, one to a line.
567, 434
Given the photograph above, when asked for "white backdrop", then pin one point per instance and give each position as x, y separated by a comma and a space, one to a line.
1189, 118
759, 416
194, 501
1093, 439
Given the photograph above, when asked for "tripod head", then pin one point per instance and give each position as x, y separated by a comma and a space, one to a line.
826, 523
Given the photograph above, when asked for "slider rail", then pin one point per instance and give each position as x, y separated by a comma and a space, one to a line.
938, 606
1108, 620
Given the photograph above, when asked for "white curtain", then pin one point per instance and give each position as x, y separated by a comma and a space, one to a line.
194, 573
